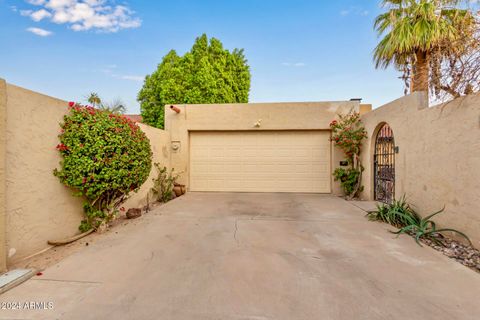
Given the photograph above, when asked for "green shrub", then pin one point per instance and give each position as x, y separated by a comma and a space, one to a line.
104, 157
348, 179
163, 184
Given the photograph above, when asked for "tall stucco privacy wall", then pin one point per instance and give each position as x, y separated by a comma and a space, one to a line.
3, 141
38, 207
438, 157
160, 143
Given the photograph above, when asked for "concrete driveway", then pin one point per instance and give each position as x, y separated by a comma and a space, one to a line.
253, 257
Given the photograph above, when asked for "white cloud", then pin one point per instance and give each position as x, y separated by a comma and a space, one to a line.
133, 78
40, 14
40, 32
108, 69
354, 11
26, 13
111, 70
295, 64
36, 2
83, 15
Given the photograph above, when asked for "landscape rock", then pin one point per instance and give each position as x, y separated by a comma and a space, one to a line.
460, 252
134, 213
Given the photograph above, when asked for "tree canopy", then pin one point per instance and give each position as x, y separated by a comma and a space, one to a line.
208, 73
413, 30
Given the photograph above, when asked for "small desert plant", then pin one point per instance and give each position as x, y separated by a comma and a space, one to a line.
399, 213
426, 228
163, 184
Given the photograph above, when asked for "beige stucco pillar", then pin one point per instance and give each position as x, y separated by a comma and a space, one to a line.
3, 141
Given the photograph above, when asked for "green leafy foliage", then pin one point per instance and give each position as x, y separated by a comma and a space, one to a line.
208, 73
398, 213
401, 215
115, 106
347, 134
412, 30
105, 156
163, 184
348, 179
426, 228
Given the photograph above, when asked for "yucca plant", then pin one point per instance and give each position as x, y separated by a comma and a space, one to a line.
426, 228
399, 213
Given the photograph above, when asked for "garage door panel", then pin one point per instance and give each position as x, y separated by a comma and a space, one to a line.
317, 152
262, 161
321, 169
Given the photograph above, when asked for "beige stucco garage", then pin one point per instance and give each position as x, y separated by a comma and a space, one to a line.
261, 161
256, 147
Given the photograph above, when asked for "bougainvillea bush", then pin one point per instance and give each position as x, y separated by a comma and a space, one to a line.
347, 134
105, 157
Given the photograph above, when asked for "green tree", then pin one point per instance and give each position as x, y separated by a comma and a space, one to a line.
412, 30
208, 73
94, 99
115, 106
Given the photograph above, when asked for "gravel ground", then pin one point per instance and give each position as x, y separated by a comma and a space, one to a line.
465, 254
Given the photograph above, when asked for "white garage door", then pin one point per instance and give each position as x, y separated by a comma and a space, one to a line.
260, 161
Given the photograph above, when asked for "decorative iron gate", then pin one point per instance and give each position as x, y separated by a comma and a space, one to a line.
384, 165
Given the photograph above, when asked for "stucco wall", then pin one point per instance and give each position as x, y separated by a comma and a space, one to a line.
160, 143
3, 124
38, 207
439, 157
233, 117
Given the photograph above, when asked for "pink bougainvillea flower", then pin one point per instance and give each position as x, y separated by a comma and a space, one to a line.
62, 147
71, 104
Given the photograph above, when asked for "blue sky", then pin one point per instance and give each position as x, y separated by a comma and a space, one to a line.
298, 50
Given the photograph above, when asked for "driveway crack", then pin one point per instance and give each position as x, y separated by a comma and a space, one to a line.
235, 232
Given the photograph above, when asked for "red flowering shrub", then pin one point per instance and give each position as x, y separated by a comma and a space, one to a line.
105, 157
348, 134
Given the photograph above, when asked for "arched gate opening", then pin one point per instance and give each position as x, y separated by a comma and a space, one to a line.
384, 165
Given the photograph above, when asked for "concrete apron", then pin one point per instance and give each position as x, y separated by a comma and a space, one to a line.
253, 256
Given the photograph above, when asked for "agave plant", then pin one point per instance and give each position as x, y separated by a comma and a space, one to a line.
399, 214
426, 228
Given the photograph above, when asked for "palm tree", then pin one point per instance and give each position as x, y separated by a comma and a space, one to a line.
413, 30
94, 99
115, 106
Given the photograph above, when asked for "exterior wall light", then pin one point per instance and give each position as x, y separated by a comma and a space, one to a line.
177, 110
